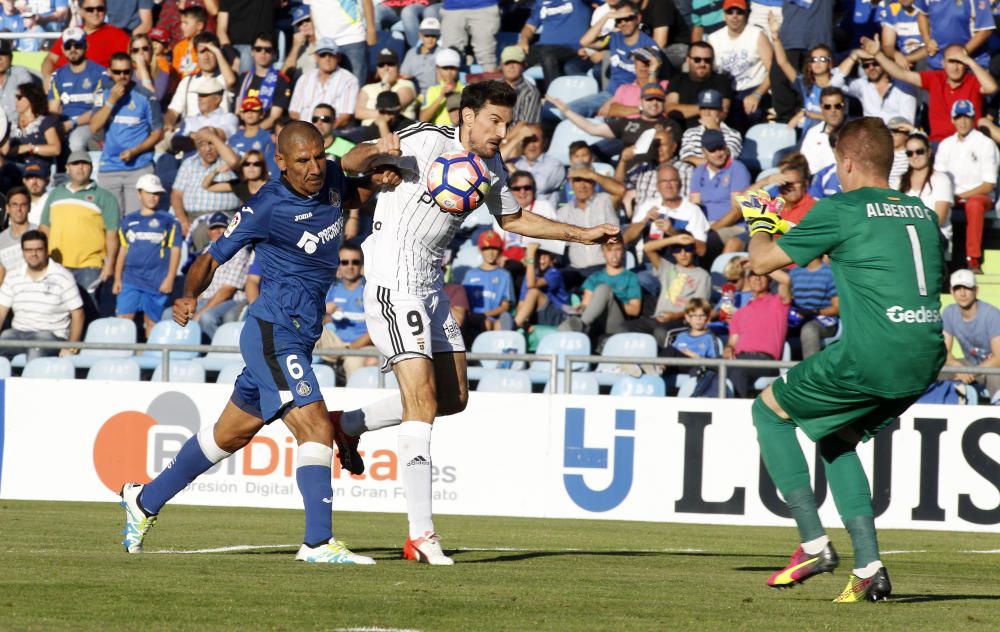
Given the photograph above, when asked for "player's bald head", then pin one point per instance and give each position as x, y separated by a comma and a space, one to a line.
868, 142
297, 134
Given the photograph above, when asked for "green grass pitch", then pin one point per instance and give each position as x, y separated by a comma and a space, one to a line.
62, 568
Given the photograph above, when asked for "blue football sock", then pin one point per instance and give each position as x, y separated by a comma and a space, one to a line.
313, 474
198, 454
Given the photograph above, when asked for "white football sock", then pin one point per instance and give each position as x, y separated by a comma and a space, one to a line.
813, 547
381, 413
868, 571
415, 459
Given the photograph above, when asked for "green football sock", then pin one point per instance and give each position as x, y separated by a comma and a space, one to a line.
851, 493
779, 447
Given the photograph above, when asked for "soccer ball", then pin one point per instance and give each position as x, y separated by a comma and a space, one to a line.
458, 181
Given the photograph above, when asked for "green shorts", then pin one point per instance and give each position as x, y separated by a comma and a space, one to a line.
819, 407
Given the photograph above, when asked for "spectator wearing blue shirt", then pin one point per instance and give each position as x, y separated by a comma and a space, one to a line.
132, 16
805, 24
543, 293
489, 287
251, 136
697, 341
714, 186
132, 122
29, 24
611, 297
814, 297
825, 183
957, 22
345, 311
560, 22
75, 90
903, 27
150, 253
52, 14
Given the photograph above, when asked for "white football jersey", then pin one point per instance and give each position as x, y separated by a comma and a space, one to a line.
410, 231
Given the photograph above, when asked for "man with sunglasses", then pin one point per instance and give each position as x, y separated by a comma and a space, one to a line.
686, 87
805, 24
103, 39
345, 326
815, 144
329, 83
880, 94
10, 78
240, 23
74, 88
265, 81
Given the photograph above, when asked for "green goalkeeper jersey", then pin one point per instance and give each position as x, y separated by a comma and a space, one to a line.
886, 253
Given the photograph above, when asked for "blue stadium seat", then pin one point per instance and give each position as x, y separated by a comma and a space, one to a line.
503, 381
105, 330
496, 342
19, 360
4, 368
583, 384
764, 142
633, 345
167, 332
570, 88
184, 371
642, 386
367, 377
325, 375
49, 369
229, 373
561, 343
227, 335
566, 132
115, 370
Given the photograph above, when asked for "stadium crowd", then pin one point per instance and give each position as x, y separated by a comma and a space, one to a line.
138, 130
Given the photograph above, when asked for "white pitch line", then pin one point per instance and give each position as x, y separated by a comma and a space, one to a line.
255, 547
985, 552
368, 629
899, 552
228, 549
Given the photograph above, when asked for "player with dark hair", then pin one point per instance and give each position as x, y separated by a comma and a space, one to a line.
887, 263
406, 309
295, 227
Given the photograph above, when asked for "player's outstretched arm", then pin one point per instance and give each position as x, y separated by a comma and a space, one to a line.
199, 277
766, 255
533, 225
362, 158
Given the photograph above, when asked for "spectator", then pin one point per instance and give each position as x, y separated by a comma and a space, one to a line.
250, 135
697, 342
475, 20
757, 332
388, 117
560, 23
351, 27
879, 94
581, 160
611, 297
405, 17
10, 78
194, 20
170, 17
132, 16
52, 15
74, 89
80, 220
710, 116
714, 187
251, 175
433, 98
627, 98
44, 298
224, 299
825, 183
961, 79
664, 22
18, 204
103, 40
36, 180
967, 25
489, 287
149, 257
975, 324
265, 81
902, 29
792, 182
241, 24
129, 115
29, 24
345, 312
971, 159
707, 17
522, 186
641, 180
901, 130
588, 209
816, 145
668, 214
419, 63
190, 200
387, 68
543, 294
324, 117
33, 132
211, 65
300, 59
685, 88
814, 302
804, 25
523, 152
210, 115
679, 282
528, 107
150, 68
453, 106
329, 83
746, 55
933, 187
818, 72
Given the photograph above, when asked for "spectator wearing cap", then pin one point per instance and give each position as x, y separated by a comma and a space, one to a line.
389, 118
685, 87
816, 146
36, 181
624, 103
80, 220
265, 80
212, 64
975, 325
240, 24
528, 107
475, 20
210, 115
351, 26
961, 80
44, 298
251, 135
522, 150
193, 22
707, 17
971, 159
189, 198
10, 78
804, 25
18, 205
329, 83
131, 16
150, 68
419, 63
103, 39
387, 70
29, 24
489, 287
746, 55
223, 300
160, 40
301, 59
715, 185
453, 105
710, 116
33, 132
149, 256
129, 115
433, 97
901, 130
879, 94
560, 23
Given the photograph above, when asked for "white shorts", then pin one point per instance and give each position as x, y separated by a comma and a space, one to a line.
403, 326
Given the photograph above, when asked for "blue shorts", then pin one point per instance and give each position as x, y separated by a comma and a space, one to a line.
133, 299
278, 373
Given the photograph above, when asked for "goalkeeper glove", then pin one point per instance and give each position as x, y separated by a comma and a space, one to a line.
763, 214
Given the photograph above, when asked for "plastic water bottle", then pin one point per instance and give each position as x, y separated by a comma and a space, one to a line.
728, 303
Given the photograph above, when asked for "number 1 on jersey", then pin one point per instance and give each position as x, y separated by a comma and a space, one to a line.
918, 258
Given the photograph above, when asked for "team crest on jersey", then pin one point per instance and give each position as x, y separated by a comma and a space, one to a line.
303, 388
334, 197
233, 223
154, 223
86, 84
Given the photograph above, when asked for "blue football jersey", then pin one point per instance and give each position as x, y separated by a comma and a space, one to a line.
149, 239
297, 244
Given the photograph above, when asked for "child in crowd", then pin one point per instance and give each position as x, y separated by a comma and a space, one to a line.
489, 287
543, 294
194, 19
697, 341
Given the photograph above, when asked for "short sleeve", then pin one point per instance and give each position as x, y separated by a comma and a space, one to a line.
590, 282
249, 226
948, 317
982, 19
6, 296
817, 234
179, 102
501, 201
740, 179
110, 211
632, 288
71, 294
174, 237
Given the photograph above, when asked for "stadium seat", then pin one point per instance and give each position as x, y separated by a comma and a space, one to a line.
228, 335
49, 369
367, 377
561, 343
763, 142
566, 132
497, 342
570, 88
763, 382
4, 368
642, 386
115, 370
582, 384
229, 373
633, 345
503, 381
185, 371
604, 169
105, 330
325, 375
21, 359
167, 332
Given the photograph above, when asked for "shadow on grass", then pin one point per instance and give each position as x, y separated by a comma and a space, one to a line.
934, 598
517, 556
